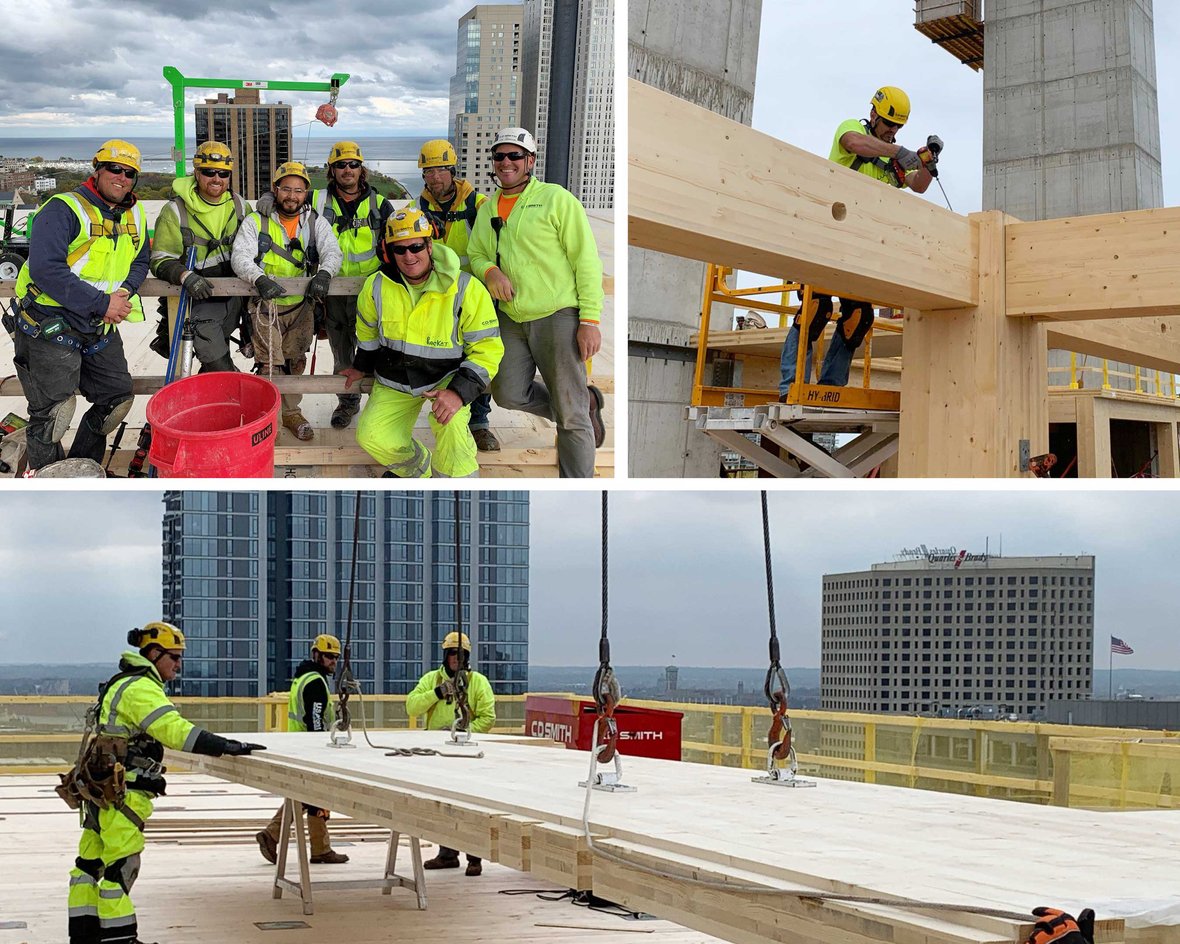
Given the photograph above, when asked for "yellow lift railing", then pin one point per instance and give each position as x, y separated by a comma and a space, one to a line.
1151, 383
717, 291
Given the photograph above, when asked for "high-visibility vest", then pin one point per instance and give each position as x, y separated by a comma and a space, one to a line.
213, 250
283, 258
100, 255
295, 702
358, 238
455, 237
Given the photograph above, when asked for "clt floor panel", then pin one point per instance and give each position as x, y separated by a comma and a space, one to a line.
522, 804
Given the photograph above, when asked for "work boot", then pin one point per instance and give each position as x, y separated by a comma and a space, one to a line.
485, 440
322, 852
267, 846
331, 857
596, 404
475, 868
344, 412
298, 424
441, 862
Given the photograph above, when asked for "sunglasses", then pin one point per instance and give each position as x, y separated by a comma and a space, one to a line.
890, 124
223, 174
173, 657
402, 250
351, 165
508, 156
119, 171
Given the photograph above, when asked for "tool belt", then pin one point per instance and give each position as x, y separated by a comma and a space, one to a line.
56, 329
99, 776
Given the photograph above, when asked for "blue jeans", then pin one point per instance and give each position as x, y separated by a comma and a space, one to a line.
834, 370
481, 408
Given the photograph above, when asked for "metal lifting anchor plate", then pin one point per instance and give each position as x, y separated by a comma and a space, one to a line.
612, 780
339, 737
782, 776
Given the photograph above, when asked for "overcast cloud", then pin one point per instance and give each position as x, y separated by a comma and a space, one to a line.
87, 67
686, 568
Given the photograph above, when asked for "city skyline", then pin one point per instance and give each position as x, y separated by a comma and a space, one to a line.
686, 567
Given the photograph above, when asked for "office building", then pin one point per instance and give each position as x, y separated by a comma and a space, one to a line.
484, 88
253, 577
259, 136
947, 631
567, 94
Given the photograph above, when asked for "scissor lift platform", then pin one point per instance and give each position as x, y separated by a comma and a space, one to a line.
784, 424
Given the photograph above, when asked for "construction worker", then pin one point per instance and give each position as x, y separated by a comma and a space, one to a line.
533, 248
868, 147
135, 722
205, 213
426, 331
1057, 927
309, 708
434, 697
291, 241
88, 255
357, 214
451, 204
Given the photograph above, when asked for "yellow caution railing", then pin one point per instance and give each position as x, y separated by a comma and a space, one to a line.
1107, 375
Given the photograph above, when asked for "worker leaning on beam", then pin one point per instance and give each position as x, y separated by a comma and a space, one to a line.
427, 332
88, 255
451, 204
204, 213
309, 708
289, 241
868, 147
117, 779
434, 697
533, 247
357, 214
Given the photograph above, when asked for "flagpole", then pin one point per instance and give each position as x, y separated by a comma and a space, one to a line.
1110, 675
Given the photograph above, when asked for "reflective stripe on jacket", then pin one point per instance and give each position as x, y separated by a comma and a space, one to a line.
480, 699
357, 237
297, 708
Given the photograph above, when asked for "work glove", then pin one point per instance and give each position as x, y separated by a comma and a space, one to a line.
317, 288
198, 287
268, 288
266, 203
445, 690
934, 142
1057, 927
238, 748
171, 271
908, 159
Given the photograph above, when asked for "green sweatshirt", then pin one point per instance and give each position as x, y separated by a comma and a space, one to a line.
208, 221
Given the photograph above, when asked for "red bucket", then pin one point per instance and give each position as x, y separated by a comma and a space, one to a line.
217, 425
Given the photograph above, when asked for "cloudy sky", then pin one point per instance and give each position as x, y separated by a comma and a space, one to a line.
819, 63
89, 67
686, 568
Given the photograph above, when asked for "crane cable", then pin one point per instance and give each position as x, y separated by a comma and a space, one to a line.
776, 687
462, 722
605, 686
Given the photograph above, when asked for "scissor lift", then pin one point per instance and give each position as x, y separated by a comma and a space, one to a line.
744, 401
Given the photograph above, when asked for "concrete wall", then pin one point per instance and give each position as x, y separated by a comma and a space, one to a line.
704, 51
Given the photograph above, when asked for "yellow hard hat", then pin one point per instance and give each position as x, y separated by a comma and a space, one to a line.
345, 151
214, 155
408, 223
290, 169
118, 151
156, 633
437, 153
453, 641
327, 644
892, 104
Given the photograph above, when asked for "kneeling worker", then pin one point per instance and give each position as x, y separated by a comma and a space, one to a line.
434, 697
309, 708
135, 722
427, 331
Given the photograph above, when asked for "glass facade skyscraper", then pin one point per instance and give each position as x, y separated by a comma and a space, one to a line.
253, 577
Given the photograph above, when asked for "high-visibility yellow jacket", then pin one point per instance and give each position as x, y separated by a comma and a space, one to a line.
190, 220
101, 254
309, 706
458, 221
546, 249
440, 713
415, 338
357, 234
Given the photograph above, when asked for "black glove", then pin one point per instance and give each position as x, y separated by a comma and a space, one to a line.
238, 748
198, 287
1057, 927
268, 288
317, 288
907, 159
171, 271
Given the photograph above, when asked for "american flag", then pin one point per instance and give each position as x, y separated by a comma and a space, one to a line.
1119, 647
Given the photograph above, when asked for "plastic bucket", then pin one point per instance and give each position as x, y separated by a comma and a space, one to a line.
218, 425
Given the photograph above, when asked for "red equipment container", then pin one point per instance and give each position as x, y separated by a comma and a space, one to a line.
643, 732
219, 425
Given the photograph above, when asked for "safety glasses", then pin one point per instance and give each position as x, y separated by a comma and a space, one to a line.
413, 249
119, 170
223, 174
351, 165
890, 124
501, 156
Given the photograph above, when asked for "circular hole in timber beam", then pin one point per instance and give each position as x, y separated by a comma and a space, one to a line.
839, 211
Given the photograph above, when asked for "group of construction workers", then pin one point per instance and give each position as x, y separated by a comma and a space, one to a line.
119, 771
466, 298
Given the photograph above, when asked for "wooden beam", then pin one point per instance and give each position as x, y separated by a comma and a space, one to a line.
1109, 265
707, 188
1147, 342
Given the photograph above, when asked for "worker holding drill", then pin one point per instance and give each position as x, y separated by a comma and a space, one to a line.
866, 146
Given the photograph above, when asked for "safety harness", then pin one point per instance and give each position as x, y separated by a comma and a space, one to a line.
311, 254
210, 243
881, 163
441, 218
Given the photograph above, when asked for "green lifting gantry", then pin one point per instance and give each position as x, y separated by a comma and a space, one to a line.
179, 83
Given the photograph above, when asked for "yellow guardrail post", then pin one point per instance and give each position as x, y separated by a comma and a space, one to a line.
1061, 770
748, 759
718, 736
870, 739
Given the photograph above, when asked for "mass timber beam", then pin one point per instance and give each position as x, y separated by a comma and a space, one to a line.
1110, 265
1145, 342
707, 188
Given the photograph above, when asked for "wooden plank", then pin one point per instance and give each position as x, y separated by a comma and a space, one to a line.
707, 188
1146, 341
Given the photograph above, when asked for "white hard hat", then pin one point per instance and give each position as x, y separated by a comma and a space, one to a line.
515, 136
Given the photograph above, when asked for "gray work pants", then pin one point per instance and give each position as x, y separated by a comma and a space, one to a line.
549, 345
214, 320
340, 323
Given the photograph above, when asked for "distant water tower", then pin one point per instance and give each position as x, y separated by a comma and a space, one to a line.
671, 675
